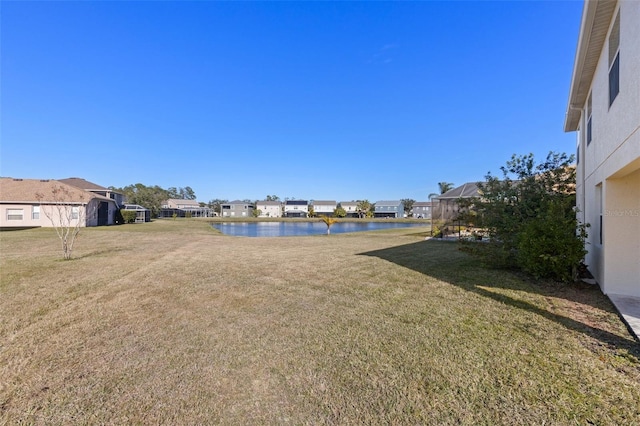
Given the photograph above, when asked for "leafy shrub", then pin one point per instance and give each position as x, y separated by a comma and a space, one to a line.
129, 216
530, 218
549, 247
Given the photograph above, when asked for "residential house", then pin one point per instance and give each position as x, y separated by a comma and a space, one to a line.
449, 202
351, 207
237, 209
95, 189
389, 209
183, 208
324, 208
422, 209
269, 208
30, 203
604, 111
296, 208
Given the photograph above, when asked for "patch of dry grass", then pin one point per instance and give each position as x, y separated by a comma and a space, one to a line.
171, 322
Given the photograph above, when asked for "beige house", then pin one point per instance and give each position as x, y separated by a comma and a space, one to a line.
604, 111
177, 203
31, 203
269, 208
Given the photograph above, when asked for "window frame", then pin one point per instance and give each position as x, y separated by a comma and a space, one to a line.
614, 60
12, 215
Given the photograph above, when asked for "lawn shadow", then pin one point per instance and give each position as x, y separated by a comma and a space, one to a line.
442, 260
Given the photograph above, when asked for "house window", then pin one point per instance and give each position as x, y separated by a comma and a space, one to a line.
614, 60
75, 212
14, 214
589, 120
35, 213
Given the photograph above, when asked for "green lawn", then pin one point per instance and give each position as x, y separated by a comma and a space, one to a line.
171, 322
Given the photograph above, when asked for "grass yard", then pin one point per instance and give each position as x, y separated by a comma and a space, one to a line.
171, 322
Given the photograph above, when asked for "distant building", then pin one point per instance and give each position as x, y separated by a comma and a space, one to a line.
269, 208
296, 208
351, 207
184, 208
422, 209
236, 209
389, 209
324, 208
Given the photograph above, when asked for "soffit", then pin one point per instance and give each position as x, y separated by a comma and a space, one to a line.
596, 19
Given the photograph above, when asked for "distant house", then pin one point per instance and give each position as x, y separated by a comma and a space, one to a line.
269, 208
448, 203
604, 111
30, 203
237, 209
95, 189
184, 208
422, 209
324, 208
351, 207
296, 208
142, 214
389, 209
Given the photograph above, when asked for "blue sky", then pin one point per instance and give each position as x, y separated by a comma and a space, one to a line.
312, 100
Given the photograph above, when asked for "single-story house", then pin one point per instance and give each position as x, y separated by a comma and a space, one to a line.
296, 208
269, 208
31, 203
604, 111
389, 209
324, 208
237, 208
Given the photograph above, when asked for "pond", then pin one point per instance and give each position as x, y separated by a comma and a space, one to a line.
288, 229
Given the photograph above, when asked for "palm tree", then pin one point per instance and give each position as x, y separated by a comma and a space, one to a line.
445, 186
328, 221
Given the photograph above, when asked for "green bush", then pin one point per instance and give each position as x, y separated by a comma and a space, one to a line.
129, 216
530, 218
549, 247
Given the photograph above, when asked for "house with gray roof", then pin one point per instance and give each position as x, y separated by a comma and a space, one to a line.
183, 208
237, 208
95, 189
324, 208
422, 209
269, 208
351, 207
296, 208
389, 209
449, 202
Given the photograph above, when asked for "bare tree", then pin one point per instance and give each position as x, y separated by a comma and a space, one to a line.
67, 213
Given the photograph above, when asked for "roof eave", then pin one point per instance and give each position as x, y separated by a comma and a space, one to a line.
590, 42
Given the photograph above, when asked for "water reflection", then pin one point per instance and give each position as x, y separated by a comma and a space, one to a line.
288, 229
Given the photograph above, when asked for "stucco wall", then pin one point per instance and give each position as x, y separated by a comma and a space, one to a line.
608, 174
